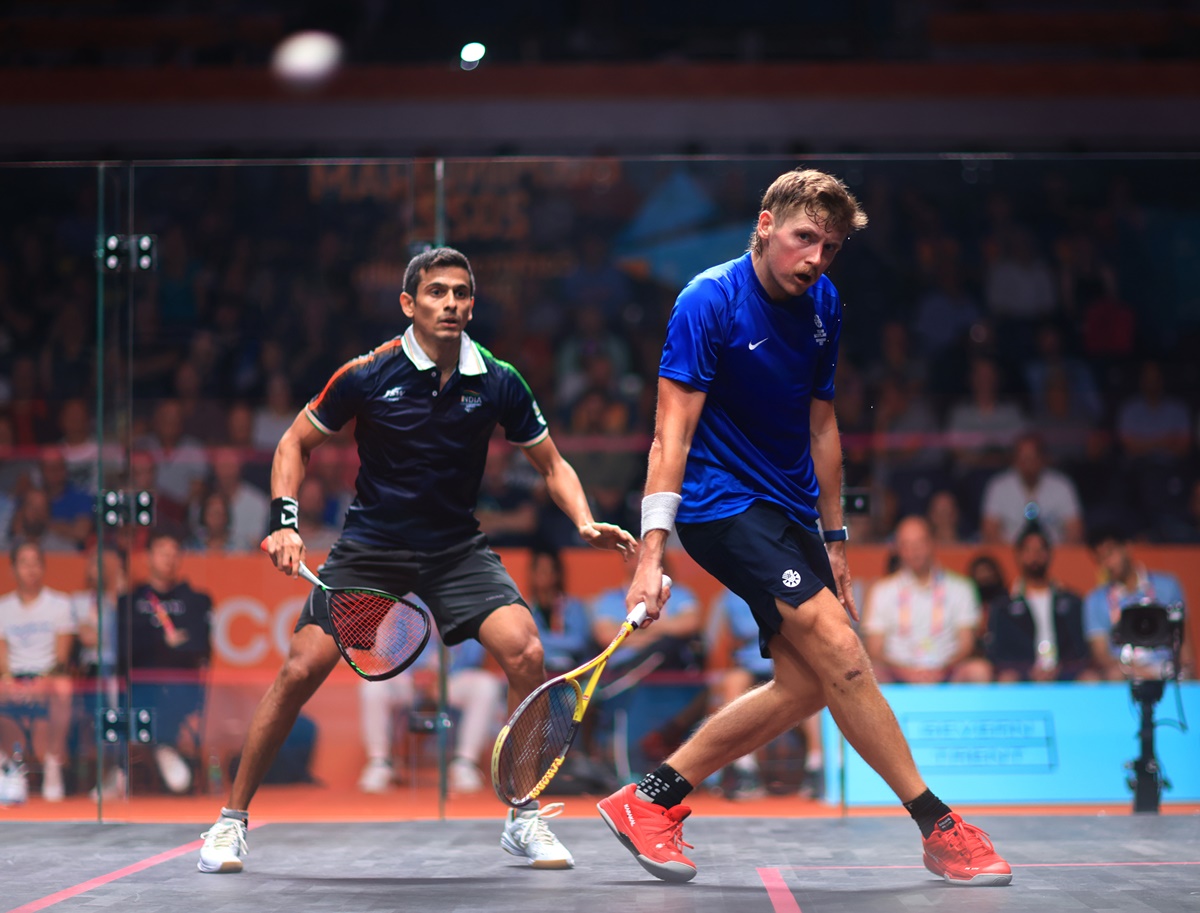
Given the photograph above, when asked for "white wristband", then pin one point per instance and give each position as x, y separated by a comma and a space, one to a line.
658, 510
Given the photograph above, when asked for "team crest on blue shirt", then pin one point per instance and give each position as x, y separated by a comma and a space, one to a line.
471, 400
820, 337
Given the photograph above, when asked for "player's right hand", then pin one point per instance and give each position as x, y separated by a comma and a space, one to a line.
648, 586
286, 549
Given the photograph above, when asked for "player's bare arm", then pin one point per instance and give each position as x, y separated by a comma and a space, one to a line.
285, 546
826, 447
675, 421
565, 488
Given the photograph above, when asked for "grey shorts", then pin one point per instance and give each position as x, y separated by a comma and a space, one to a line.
461, 585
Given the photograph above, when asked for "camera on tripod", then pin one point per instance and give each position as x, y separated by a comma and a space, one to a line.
1150, 636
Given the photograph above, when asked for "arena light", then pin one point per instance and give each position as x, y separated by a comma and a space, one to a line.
306, 60
470, 55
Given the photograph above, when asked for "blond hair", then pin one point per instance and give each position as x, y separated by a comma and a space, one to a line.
821, 196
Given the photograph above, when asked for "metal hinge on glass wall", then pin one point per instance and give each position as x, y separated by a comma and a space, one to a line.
136, 252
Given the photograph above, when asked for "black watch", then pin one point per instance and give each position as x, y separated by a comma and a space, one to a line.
836, 535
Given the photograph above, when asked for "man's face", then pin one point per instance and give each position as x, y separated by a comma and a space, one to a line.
29, 569
442, 308
1114, 558
914, 546
164, 559
1033, 557
796, 251
1028, 460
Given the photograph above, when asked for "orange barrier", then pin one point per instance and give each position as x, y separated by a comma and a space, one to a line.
255, 608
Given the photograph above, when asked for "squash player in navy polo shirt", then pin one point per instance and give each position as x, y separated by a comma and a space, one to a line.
745, 461
425, 405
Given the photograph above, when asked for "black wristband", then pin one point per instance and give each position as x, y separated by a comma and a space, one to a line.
285, 514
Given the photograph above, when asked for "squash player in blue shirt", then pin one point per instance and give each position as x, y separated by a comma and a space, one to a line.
745, 461
425, 405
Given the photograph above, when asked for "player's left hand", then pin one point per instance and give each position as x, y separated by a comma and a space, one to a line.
841, 574
606, 535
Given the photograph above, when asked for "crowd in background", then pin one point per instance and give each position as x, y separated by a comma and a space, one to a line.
1018, 339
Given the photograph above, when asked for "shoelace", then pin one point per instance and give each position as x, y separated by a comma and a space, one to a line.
226, 835
674, 833
534, 828
969, 838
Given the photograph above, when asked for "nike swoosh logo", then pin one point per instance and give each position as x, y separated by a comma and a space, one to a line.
755, 345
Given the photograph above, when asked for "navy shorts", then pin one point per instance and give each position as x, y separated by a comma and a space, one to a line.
761, 555
461, 585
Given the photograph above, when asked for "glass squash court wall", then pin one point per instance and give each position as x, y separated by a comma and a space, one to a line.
263, 277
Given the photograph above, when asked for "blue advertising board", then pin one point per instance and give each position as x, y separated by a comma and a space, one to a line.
1034, 743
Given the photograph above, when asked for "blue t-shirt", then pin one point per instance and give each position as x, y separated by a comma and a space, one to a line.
760, 363
423, 449
610, 605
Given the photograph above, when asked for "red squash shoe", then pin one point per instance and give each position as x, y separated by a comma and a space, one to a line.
652, 833
963, 855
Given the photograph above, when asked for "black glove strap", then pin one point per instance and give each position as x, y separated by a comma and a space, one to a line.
285, 514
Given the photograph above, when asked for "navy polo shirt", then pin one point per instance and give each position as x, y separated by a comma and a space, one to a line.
422, 449
760, 363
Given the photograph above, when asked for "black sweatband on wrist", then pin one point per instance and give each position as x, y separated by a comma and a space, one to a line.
285, 514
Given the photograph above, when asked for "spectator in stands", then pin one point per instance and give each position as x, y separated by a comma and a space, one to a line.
72, 510
212, 531
671, 643
983, 426
97, 631
1069, 436
1154, 426
96, 653
561, 619
906, 458
32, 521
1050, 361
897, 361
595, 284
1154, 430
27, 406
179, 457
165, 643
68, 356
609, 467
1030, 490
248, 505
750, 669
77, 443
1037, 632
590, 339
945, 312
474, 691
920, 622
202, 416
1127, 582
239, 434
944, 518
1184, 527
276, 414
1019, 289
37, 634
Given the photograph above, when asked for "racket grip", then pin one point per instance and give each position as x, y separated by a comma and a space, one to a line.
303, 570
638, 616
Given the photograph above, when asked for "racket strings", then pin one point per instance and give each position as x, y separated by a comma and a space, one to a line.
537, 737
376, 631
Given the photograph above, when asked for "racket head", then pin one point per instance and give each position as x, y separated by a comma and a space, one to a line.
378, 634
531, 746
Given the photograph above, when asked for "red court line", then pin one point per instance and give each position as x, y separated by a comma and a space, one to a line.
67, 893
780, 895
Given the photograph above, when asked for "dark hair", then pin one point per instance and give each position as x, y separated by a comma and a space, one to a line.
164, 532
1032, 528
432, 259
19, 544
1106, 532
